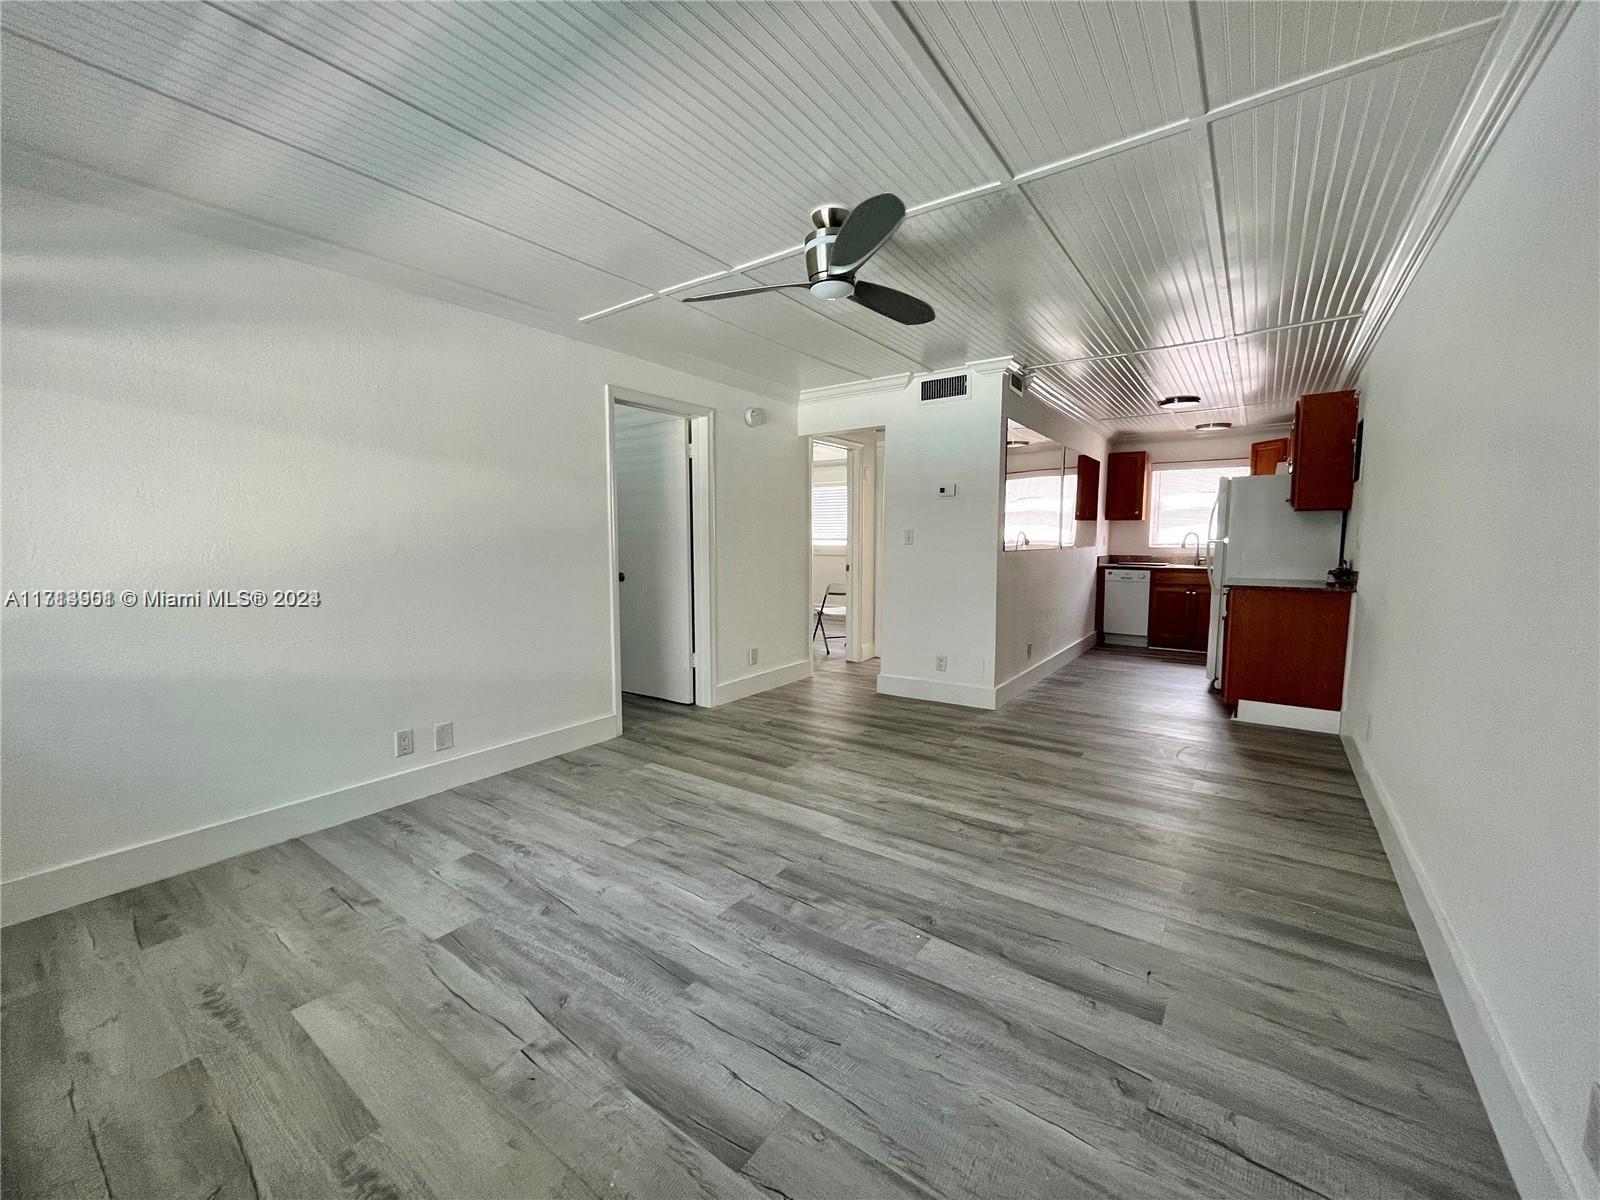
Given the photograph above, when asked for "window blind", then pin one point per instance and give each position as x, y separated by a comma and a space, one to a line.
830, 514
1182, 501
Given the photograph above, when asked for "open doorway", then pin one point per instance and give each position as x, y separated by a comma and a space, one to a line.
661, 548
846, 536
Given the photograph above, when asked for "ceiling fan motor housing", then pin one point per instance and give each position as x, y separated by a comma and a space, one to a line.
826, 219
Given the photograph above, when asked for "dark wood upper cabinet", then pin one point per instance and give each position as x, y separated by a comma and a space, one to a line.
1322, 451
1265, 456
1127, 485
1088, 508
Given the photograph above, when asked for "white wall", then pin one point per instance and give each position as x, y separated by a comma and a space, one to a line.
1472, 700
1133, 537
938, 594
1047, 596
180, 414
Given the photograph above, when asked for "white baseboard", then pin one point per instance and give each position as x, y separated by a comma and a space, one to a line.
1531, 1153
968, 695
55, 888
749, 685
1288, 716
1023, 680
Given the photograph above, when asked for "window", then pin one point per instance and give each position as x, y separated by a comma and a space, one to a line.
830, 514
1182, 499
1033, 510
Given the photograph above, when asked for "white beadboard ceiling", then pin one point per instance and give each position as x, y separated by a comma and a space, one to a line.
1131, 199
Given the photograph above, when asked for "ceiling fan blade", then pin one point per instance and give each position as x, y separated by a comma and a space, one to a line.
864, 232
895, 305
775, 287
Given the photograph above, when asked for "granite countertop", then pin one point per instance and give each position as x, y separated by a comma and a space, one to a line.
1150, 566
1295, 585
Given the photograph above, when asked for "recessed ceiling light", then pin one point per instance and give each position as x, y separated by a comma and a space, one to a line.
1171, 402
1214, 425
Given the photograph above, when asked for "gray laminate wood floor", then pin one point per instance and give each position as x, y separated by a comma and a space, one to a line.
818, 943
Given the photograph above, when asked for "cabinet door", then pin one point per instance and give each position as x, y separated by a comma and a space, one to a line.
1198, 632
1286, 646
1127, 485
1265, 456
1169, 615
1088, 506
1322, 465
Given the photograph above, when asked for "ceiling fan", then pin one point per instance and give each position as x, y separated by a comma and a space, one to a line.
842, 240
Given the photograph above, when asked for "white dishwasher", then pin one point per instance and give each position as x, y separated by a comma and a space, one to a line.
1127, 615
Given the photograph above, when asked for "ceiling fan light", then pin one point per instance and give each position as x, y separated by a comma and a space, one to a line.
1174, 402
832, 289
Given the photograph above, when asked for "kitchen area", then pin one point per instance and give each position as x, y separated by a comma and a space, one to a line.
1234, 552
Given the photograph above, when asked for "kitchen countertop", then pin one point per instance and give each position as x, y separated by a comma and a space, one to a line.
1293, 585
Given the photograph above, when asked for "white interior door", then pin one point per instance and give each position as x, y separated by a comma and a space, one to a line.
655, 554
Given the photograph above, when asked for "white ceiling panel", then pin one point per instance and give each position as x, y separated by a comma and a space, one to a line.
1276, 368
1206, 371
1316, 188
692, 330
1135, 225
205, 58
1107, 390
1253, 45
1114, 391
723, 123
1141, 199
1050, 80
53, 103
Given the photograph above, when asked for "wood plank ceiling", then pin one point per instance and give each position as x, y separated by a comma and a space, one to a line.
1134, 198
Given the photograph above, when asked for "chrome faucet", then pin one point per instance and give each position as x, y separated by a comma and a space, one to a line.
1184, 545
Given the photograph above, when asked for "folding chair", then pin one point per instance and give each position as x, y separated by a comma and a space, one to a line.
836, 611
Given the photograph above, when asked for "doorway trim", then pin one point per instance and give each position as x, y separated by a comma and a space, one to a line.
703, 531
860, 638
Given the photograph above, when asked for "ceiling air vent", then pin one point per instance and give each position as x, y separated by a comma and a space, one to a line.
1017, 381
947, 388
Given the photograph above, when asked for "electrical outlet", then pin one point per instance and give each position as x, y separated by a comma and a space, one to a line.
403, 744
1030, 649
444, 735
755, 656
911, 537
941, 663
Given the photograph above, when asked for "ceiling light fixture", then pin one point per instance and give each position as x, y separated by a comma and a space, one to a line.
1213, 425
1174, 402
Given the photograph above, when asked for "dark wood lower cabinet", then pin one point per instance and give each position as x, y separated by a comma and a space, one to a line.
1286, 646
1180, 610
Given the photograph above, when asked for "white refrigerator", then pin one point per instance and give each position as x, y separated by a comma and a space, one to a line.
1256, 535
